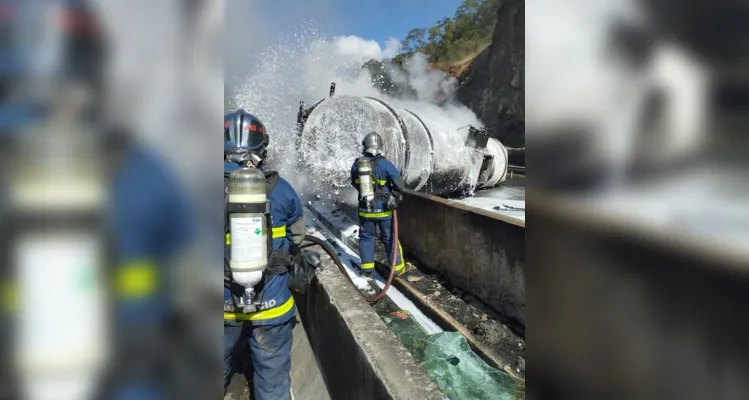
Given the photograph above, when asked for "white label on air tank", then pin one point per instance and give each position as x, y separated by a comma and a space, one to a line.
248, 243
365, 185
61, 286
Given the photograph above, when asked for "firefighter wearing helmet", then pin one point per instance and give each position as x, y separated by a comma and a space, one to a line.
264, 227
379, 185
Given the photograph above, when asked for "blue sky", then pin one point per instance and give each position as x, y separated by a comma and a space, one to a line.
370, 19
251, 25
381, 19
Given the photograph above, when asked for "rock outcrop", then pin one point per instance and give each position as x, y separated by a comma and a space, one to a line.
494, 85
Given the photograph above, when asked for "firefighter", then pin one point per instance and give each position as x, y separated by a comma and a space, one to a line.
145, 222
262, 315
379, 185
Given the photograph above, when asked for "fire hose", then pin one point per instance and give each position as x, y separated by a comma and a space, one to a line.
441, 317
338, 262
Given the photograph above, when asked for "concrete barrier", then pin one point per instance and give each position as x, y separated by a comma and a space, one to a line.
344, 342
307, 382
481, 252
635, 312
358, 355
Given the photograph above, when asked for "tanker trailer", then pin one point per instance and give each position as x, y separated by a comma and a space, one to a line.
430, 158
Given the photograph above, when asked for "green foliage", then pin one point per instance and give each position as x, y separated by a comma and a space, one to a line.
453, 38
449, 40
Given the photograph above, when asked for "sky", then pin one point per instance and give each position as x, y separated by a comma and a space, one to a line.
252, 25
381, 19
370, 19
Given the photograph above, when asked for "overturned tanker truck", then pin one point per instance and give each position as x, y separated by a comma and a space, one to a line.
430, 159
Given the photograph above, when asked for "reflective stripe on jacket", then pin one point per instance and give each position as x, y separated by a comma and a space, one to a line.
386, 174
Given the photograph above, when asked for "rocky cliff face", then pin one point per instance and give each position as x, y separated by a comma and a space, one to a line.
494, 85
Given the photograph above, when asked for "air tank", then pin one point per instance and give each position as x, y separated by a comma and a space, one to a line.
249, 242
430, 158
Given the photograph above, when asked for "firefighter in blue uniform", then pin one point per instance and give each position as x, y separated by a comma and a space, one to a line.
377, 214
150, 224
152, 227
268, 331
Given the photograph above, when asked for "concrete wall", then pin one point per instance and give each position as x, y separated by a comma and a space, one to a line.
482, 253
358, 355
621, 311
307, 382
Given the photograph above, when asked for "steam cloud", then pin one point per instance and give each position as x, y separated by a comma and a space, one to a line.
302, 66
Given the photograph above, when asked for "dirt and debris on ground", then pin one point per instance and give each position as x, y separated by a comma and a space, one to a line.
239, 389
484, 324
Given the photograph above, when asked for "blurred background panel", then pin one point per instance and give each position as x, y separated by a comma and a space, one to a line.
637, 229
109, 199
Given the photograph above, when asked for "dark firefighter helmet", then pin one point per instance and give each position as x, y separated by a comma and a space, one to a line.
245, 138
72, 45
69, 46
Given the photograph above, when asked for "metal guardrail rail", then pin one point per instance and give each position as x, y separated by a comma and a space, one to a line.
515, 172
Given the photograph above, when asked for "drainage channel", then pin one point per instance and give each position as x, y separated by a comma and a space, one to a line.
348, 257
446, 356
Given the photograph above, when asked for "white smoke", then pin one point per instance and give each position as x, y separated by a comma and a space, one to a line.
356, 47
428, 84
573, 80
302, 66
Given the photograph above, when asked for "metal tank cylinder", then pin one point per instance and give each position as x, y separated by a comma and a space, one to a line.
431, 159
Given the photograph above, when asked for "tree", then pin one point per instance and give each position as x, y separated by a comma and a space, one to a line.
414, 41
453, 38
468, 7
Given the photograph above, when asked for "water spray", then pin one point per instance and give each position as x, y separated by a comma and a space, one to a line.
431, 157
340, 266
